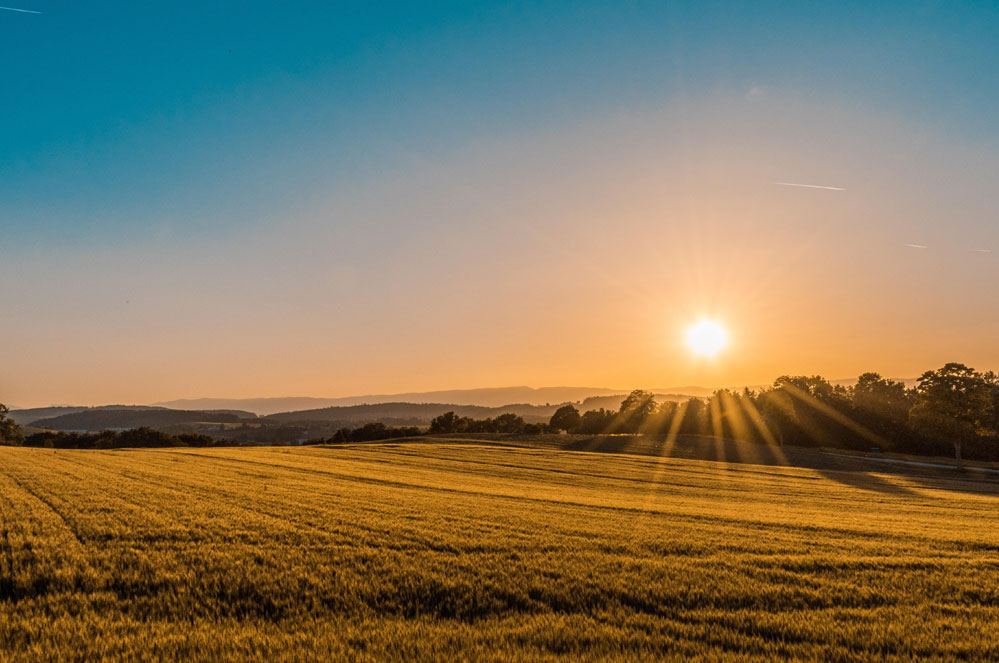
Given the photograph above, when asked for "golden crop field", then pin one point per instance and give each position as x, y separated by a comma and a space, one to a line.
449, 551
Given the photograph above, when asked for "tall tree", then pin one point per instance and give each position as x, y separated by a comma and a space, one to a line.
777, 408
952, 405
594, 422
635, 410
10, 432
509, 423
449, 422
694, 417
992, 385
881, 397
565, 418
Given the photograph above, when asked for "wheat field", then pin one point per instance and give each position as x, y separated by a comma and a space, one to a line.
451, 551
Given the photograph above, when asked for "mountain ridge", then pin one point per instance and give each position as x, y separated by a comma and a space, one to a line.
485, 397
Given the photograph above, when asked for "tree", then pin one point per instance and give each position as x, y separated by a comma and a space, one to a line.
888, 399
694, 417
952, 404
992, 384
810, 411
635, 410
565, 418
448, 422
662, 420
778, 413
10, 432
595, 422
509, 423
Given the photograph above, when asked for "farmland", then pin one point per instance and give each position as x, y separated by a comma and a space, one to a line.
451, 550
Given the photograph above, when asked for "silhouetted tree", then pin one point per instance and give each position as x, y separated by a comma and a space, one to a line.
777, 410
509, 423
565, 418
449, 422
109, 439
992, 387
694, 417
661, 421
882, 406
885, 399
810, 411
952, 404
636, 408
10, 432
594, 422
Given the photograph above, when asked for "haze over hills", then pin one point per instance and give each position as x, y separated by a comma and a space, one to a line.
497, 397
487, 397
421, 413
120, 418
28, 416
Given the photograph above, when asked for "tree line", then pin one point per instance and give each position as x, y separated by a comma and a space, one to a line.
953, 408
10, 434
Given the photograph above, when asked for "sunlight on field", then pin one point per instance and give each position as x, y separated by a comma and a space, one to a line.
423, 552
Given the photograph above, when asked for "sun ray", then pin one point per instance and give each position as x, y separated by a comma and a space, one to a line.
834, 414
757, 420
665, 452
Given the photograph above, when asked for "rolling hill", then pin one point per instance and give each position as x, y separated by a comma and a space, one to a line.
409, 413
104, 418
490, 397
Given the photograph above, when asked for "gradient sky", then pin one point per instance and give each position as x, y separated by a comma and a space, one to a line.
249, 199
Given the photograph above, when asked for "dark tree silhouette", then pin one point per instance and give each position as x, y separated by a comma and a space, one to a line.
882, 398
448, 422
509, 423
594, 422
694, 419
10, 432
565, 418
952, 404
636, 409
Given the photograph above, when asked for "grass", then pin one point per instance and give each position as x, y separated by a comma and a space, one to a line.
450, 551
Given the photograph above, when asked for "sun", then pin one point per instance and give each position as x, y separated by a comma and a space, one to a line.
706, 338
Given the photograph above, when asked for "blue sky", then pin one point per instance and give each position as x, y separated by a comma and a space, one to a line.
207, 116
245, 199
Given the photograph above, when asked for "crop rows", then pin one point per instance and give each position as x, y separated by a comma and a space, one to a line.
452, 551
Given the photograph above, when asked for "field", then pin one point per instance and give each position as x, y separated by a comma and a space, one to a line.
468, 551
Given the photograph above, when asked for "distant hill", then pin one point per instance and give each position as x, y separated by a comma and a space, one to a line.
208, 420
415, 414
492, 397
26, 416
415, 408
104, 418
408, 414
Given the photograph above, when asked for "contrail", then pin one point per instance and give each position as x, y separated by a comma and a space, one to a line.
981, 250
915, 246
811, 186
23, 11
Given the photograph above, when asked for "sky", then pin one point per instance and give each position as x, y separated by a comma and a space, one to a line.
327, 199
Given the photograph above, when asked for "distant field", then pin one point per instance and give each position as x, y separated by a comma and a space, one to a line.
449, 551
